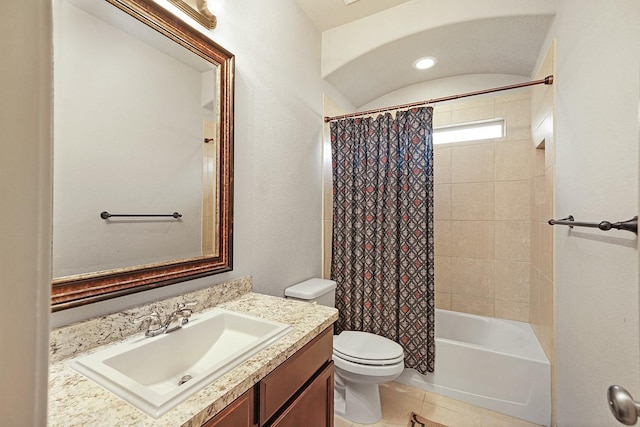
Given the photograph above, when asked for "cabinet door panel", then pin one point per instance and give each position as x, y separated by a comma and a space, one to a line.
239, 413
283, 383
314, 406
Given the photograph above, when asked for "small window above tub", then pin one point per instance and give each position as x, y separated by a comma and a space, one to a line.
470, 131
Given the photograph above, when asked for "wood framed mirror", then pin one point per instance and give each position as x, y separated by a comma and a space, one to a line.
100, 257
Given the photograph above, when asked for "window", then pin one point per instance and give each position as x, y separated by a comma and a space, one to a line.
473, 131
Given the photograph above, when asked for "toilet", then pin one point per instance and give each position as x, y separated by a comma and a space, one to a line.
362, 360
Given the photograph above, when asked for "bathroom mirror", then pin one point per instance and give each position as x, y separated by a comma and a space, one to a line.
143, 127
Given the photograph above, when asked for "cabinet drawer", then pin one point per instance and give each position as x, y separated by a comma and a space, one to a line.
314, 406
280, 385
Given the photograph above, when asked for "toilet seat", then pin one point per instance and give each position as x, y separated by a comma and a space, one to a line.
373, 371
367, 349
362, 361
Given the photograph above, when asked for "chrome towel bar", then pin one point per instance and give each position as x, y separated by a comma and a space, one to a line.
630, 225
107, 215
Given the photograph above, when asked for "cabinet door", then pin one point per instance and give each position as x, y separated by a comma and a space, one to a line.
314, 406
282, 384
240, 413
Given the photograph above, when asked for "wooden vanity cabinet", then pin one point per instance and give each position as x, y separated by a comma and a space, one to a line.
314, 406
297, 393
240, 413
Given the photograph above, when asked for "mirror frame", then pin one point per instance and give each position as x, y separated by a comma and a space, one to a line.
82, 289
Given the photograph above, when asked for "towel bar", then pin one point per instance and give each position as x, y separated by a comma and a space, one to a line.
107, 215
630, 225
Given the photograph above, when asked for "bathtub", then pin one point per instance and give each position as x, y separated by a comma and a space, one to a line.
492, 363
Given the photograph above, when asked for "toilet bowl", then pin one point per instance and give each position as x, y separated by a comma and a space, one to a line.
362, 360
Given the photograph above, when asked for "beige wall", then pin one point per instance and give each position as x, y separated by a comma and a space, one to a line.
25, 229
482, 211
596, 178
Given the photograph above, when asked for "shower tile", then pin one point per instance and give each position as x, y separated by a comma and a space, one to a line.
536, 255
441, 117
327, 231
513, 160
549, 141
513, 241
442, 238
546, 315
518, 118
473, 163
474, 113
473, 102
539, 199
443, 274
443, 301
326, 270
513, 95
472, 239
473, 305
473, 201
512, 200
512, 280
442, 165
534, 298
546, 250
546, 300
511, 310
473, 277
539, 162
327, 200
442, 201
517, 112
549, 180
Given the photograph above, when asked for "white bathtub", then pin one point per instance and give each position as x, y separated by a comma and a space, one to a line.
493, 363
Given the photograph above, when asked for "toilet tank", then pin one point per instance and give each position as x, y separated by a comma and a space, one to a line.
320, 291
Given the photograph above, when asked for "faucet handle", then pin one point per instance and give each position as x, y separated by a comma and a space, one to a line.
186, 304
153, 323
152, 318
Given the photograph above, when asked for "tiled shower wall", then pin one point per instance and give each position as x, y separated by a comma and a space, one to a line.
542, 290
482, 210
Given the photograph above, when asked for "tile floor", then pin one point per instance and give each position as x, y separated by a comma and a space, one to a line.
399, 400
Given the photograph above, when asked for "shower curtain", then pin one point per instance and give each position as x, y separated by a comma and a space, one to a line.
382, 254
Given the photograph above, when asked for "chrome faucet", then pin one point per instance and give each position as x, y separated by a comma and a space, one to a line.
155, 326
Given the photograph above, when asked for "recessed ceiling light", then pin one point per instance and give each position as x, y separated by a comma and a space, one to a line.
349, 1
425, 62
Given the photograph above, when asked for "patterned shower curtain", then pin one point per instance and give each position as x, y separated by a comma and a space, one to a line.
382, 258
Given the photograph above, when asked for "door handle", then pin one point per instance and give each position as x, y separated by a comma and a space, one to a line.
623, 407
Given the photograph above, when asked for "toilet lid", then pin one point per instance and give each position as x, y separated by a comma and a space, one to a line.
366, 348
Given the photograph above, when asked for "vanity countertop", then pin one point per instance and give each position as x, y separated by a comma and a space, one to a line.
77, 401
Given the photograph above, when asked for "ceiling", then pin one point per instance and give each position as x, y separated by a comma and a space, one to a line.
327, 14
503, 45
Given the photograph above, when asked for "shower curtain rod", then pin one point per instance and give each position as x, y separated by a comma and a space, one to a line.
547, 81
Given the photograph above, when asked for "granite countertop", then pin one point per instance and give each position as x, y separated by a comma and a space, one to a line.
77, 401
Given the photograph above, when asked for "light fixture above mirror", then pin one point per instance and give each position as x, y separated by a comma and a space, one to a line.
197, 10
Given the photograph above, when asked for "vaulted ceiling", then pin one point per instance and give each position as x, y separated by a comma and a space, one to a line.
369, 46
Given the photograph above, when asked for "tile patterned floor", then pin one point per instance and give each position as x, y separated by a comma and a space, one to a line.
399, 400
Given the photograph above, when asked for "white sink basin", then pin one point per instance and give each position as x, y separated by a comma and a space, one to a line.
146, 372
